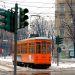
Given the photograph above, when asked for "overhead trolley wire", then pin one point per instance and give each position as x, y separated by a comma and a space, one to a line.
30, 5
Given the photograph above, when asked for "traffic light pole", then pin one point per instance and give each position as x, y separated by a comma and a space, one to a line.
15, 38
57, 55
59, 40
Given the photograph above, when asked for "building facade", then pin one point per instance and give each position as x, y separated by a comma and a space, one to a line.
6, 42
64, 24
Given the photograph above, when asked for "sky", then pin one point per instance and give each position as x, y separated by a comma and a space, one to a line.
36, 7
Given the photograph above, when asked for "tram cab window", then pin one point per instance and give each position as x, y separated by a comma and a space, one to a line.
44, 49
48, 49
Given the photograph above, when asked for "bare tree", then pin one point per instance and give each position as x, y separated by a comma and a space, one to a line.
71, 25
41, 27
22, 33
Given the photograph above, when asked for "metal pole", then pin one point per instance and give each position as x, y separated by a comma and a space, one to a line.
15, 37
52, 42
57, 56
73, 16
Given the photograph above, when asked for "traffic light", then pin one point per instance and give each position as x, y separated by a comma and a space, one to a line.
5, 20
59, 49
59, 39
12, 21
23, 18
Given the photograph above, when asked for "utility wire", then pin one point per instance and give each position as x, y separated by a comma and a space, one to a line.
34, 6
6, 3
29, 5
28, 2
41, 13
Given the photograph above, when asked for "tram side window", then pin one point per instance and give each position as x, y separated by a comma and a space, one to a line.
24, 48
44, 47
18, 51
18, 48
38, 47
31, 47
38, 50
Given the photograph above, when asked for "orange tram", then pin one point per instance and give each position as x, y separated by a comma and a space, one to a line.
34, 52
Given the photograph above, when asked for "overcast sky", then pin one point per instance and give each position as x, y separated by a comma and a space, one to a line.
39, 7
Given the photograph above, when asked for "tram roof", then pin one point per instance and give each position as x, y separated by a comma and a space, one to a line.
34, 38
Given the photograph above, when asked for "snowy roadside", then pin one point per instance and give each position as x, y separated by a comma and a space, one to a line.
62, 65
6, 59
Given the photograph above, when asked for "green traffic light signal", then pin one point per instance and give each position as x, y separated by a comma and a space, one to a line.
59, 39
23, 17
5, 20
7, 23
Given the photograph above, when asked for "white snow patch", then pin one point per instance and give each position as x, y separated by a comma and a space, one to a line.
63, 65
7, 58
53, 65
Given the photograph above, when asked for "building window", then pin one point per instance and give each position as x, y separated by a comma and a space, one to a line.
73, 6
62, 8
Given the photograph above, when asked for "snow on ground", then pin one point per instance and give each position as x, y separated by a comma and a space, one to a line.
63, 65
54, 64
7, 58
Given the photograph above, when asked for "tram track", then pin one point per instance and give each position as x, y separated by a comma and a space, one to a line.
8, 66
